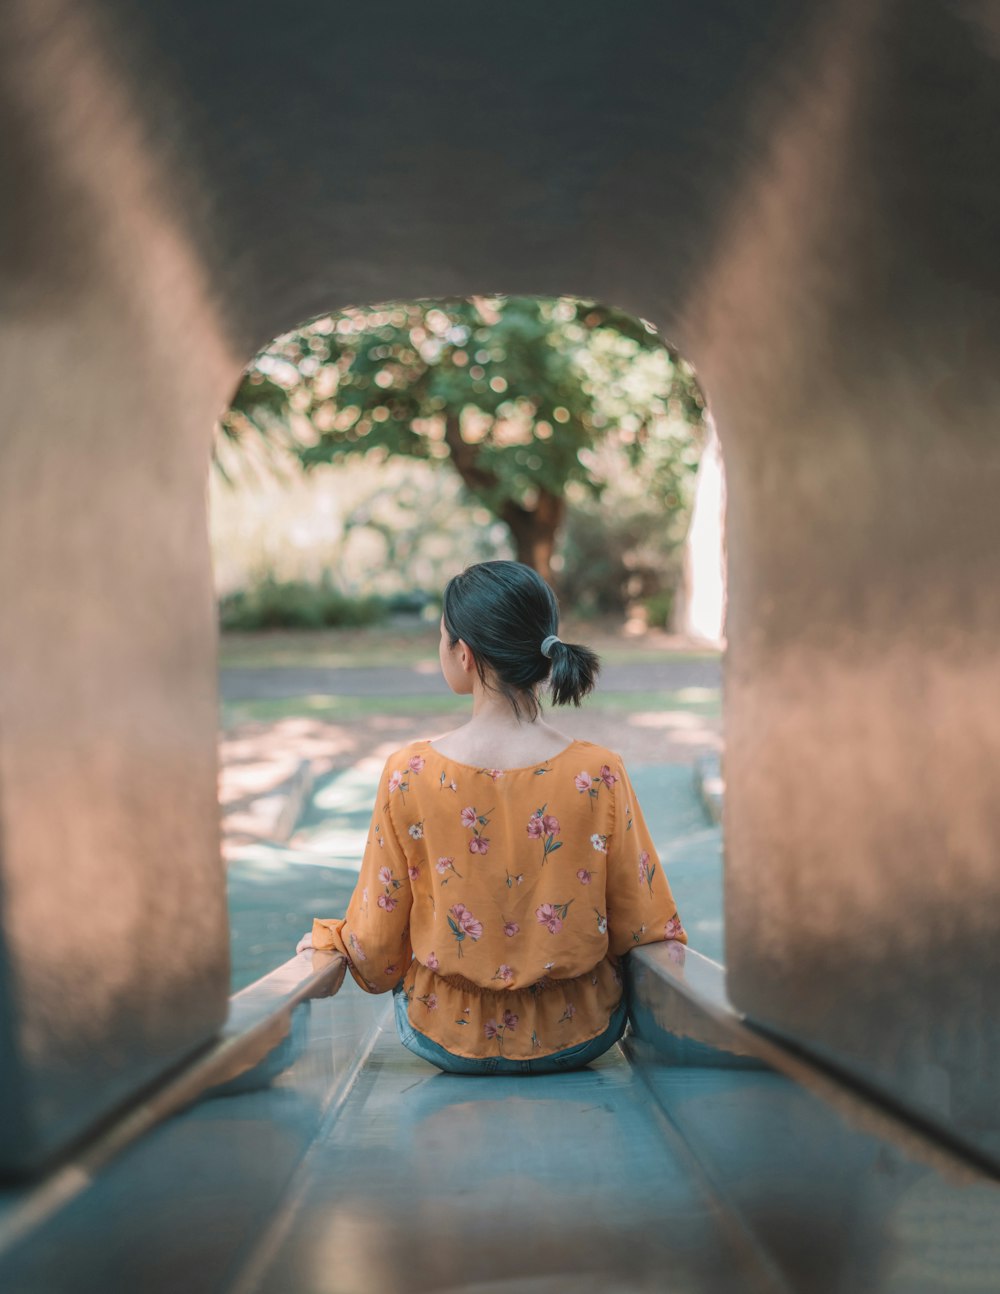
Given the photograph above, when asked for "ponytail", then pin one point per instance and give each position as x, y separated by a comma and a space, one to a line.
573, 674
507, 615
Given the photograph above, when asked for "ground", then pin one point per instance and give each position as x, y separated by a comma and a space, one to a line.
339, 699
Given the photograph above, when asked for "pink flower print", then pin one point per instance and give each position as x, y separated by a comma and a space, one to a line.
429, 1000
412, 872
479, 844
432, 962
385, 875
494, 1030
359, 953
387, 903
464, 925
417, 763
673, 929
513, 880
445, 865
607, 777
643, 864
504, 973
602, 922
583, 781
552, 916
510, 929
583, 876
466, 920
543, 826
568, 1014
395, 781
416, 830
495, 773
549, 918
599, 842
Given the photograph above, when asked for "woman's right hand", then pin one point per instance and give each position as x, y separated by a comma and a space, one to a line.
305, 944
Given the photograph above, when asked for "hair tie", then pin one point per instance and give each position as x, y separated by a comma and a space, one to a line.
549, 643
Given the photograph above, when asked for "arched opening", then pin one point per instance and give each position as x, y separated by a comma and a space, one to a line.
807, 187
371, 454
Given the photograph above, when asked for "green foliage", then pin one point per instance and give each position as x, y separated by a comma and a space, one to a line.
516, 392
659, 609
625, 545
294, 604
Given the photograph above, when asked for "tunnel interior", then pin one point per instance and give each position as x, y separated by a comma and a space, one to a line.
800, 197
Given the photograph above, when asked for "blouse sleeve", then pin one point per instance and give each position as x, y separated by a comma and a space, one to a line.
641, 908
375, 934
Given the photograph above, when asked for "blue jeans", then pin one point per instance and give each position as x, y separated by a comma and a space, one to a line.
569, 1058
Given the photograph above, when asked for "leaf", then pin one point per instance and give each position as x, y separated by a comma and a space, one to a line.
557, 844
455, 929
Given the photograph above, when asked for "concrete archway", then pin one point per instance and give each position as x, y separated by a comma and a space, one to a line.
799, 196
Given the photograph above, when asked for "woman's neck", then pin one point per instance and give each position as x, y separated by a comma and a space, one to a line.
497, 737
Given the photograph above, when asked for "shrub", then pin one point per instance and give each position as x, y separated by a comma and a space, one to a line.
613, 558
295, 604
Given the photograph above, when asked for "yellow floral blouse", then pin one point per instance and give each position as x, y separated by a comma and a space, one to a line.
504, 898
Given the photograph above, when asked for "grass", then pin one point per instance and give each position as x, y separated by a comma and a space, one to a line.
328, 649
343, 709
392, 645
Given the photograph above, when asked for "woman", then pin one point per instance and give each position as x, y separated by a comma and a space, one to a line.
508, 868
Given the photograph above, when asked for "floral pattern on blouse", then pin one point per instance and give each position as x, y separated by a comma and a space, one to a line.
501, 911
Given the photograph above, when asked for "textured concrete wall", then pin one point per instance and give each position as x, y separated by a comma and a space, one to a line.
849, 344
113, 951
802, 195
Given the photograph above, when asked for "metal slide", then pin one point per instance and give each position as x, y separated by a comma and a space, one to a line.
336, 1161
308, 1151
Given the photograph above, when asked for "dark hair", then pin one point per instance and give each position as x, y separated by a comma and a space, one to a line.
504, 611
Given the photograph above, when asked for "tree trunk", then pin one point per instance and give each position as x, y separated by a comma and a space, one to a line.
534, 530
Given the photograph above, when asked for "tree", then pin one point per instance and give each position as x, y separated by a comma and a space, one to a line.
515, 392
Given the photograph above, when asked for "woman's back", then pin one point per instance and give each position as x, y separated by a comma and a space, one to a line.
515, 891
510, 747
506, 872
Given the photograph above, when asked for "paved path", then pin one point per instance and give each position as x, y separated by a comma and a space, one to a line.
261, 759
424, 679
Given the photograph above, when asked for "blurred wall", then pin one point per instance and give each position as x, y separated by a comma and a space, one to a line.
803, 197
